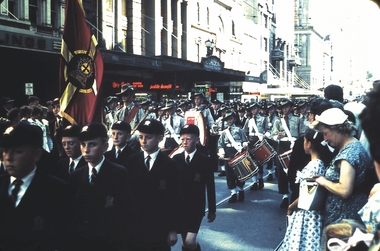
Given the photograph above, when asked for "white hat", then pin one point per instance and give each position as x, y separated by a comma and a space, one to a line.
332, 116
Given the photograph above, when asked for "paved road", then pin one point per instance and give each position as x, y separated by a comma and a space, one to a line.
258, 223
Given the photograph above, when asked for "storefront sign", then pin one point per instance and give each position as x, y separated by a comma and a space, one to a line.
162, 87
212, 63
18, 40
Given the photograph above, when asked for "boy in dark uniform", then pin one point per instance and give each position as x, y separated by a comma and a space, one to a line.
121, 133
101, 190
156, 191
197, 175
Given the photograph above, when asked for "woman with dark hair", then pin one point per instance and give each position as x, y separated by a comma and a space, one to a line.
305, 226
346, 176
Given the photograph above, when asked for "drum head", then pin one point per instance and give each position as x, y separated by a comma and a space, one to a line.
197, 118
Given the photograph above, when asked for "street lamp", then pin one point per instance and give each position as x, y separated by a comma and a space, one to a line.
210, 47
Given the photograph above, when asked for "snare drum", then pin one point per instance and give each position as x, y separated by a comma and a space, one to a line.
179, 149
262, 152
284, 159
244, 166
197, 118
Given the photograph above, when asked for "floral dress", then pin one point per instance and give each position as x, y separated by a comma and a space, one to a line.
305, 226
337, 208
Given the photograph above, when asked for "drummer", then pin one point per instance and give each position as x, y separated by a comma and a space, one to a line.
228, 149
270, 119
173, 125
255, 129
287, 124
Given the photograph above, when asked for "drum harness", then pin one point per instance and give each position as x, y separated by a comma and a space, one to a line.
257, 133
286, 129
235, 145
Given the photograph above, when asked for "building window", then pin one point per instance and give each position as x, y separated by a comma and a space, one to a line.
109, 5
33, 11
233, 29
124, 8
265, 44
54, 18
208, 17
266, 21
198, 13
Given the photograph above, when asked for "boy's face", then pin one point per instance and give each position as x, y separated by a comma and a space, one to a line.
71, 145
92, 150
189, 142
149, 142
120, 138
20, 160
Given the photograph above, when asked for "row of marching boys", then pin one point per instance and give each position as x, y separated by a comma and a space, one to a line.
94, 199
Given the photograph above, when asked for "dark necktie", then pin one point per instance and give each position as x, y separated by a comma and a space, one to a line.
171, 121
14, 195
147, 162
188, 159
71, 167
94, 175
118, 153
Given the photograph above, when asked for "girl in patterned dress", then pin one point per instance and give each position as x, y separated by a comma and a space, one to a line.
305, 226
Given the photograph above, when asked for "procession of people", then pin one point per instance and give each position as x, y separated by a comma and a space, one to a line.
145, 174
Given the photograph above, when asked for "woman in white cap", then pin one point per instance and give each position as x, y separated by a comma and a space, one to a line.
346, 176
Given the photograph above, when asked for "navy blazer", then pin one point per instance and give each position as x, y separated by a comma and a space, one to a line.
156, 194
62, 169
122, 157
41, 218
196, 177
104, 210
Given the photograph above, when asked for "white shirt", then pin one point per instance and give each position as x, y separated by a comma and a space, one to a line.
97, 168
24, 186
76, 161
190, 154
153, 157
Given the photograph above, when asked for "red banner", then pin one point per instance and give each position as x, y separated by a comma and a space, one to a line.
81, 69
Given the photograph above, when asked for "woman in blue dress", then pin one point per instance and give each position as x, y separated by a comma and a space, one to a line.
305, 226
347, 175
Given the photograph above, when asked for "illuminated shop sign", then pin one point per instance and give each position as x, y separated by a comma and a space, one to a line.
162, 87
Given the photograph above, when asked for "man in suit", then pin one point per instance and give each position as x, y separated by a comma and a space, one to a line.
71, 146
121, 132
102, 204
196, 176
156, 191
33, 205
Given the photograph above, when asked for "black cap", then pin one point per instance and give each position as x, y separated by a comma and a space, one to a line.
72, 131
169, 105
22, 134
270, 105
146, 101
56, 101
183, 102
92, 131
216, 101
254, 104
111, 99
121, 125
151, 126
285, 102
125, 88
228, 115
197, 94
189, 129
5, 100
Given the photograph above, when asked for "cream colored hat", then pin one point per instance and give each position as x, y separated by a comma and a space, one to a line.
332, 116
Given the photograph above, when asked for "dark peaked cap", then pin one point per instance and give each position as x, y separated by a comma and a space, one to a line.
22, 134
